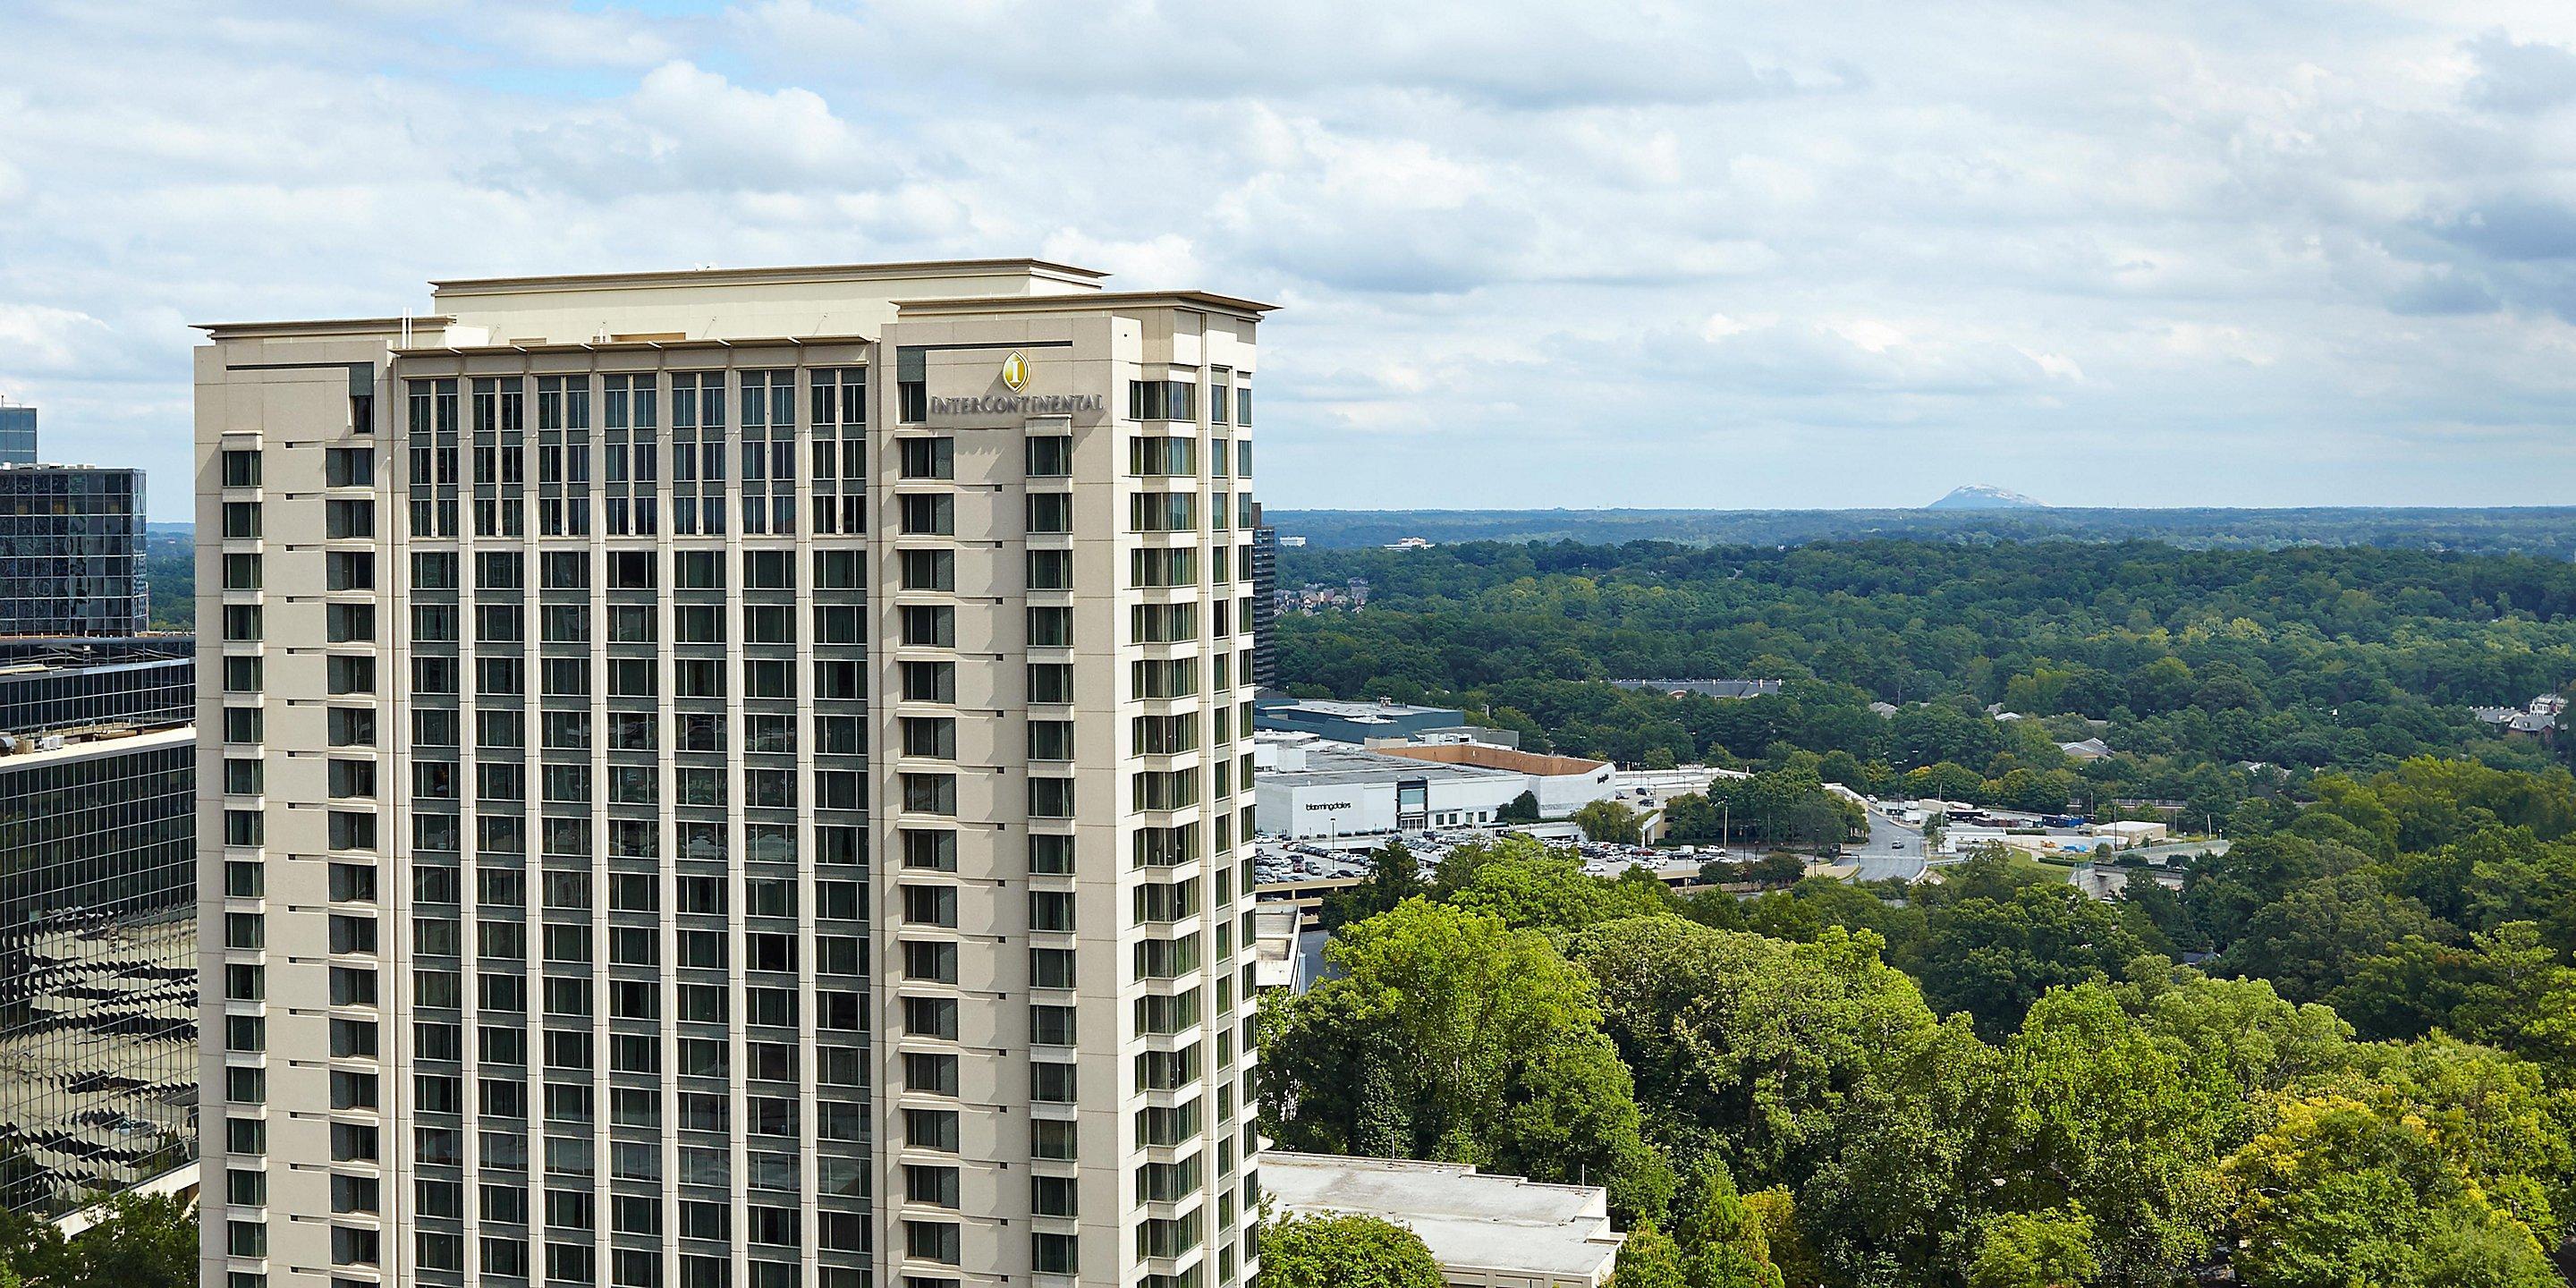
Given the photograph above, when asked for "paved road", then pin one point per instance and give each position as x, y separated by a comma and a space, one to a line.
1893, 850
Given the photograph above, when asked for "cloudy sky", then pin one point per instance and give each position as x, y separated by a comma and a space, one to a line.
1621, 252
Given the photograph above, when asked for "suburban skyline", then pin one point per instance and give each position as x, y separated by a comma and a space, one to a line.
2158, 255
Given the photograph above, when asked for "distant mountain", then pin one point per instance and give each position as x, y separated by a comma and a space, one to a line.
1978, 496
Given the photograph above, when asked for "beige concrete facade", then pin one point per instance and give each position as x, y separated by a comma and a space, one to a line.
814, 857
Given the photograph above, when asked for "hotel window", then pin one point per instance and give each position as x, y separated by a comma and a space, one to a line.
1053, 1140
932, 737
1162, 512
911, 385
1050, 798
1164, 735
930, 794
927, 514
1162, 568
1168, 678
929, 626
1051, 1082
1050, 628
1050, 682
930, 1074
1163, 457
1050, 512
932, 1129
927, 458
1054, 1254
1161, 400
929, 570
839, 398
929, 681
1050, 456
930, 850
1051, 855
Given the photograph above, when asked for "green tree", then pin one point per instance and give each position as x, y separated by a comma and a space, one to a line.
1448, 1035
1809, 1065
1611, 821
1345, 1252
2500, 1120
2035, 1250
2335, 1194
1649, 1259
1721, 1238
139, 1241
1992, 958
1526, 883
2319, 931
1778, 868
1394, 876
2107, 1114
1519, 809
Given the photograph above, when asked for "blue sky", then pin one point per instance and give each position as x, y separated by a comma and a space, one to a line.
1616, 253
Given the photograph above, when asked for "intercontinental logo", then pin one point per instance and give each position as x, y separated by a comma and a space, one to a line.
1015, 377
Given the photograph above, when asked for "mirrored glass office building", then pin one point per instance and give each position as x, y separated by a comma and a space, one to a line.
17, 434
98, 963
71, 551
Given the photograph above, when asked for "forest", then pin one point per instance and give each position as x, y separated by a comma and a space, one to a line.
2342, 1053
1994, 1081
2547, 531
2216, 676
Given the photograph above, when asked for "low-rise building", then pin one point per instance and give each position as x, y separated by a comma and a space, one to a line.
1562, 784
1352, 722
1484, 1231
1316, 787
2123, 835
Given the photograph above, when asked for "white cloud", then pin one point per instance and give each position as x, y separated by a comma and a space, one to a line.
1644, 253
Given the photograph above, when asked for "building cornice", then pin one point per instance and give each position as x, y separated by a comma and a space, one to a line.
664, 279
1099, 302
315, 327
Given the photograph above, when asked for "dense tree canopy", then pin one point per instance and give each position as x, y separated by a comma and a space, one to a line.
2184, 661
1447, 1034
2088, 1112
2367, 1078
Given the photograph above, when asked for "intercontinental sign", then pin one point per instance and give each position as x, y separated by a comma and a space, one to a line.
1020, 405
1015, 377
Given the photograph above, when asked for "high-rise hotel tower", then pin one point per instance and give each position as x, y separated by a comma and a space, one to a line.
748, 788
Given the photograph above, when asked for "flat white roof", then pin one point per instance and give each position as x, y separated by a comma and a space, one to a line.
82, 748
1468, 1219
1330, 763
1343, 709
